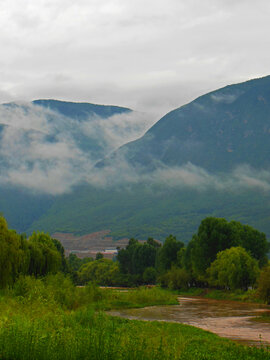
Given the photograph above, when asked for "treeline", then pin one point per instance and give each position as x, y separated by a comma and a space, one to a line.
38, 255
222, 254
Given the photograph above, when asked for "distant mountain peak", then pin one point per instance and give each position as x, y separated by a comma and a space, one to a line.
216, 131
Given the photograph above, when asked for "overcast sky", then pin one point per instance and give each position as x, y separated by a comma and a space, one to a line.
149, 55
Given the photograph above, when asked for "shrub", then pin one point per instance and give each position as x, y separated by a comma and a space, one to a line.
263, 290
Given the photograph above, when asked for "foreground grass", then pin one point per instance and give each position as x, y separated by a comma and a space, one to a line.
52, 319
85, 335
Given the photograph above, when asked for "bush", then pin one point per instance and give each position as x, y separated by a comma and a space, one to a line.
263, 290
175, 279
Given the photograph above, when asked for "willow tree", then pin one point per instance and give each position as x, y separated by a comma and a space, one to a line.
233, 268
44, 256
12, 255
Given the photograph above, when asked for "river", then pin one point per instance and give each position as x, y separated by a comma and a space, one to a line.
228, 319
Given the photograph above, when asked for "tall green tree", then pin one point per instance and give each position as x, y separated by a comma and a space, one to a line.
215, 235
125, 256
12, 255
137, 257
233, 268
167, 254
144, 256
44, 255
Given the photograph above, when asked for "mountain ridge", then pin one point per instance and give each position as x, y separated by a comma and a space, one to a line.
215, 131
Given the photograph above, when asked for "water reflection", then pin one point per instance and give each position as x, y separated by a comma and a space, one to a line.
225, 318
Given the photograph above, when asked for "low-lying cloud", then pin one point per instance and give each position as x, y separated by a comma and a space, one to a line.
46, 152
190, 176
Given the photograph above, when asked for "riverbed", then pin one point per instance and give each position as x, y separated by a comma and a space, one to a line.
230, 319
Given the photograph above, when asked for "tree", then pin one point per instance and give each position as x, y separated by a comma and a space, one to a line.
75, 263
12, 255
136, 257
264, 285
175, 279
44, 256
152, 242
99, 256
61, 250
253, 241
124, 257
215, 235
167, 255
150, 275
234, 269
101, 272
144, 256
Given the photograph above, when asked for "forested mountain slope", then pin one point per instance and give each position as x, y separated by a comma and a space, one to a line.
209, 157
217, 131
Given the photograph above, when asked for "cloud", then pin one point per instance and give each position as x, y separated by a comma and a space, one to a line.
117, 130
187, 176
157, 55
44, 151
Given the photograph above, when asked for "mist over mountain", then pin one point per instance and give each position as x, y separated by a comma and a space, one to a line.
48, 146
209, 157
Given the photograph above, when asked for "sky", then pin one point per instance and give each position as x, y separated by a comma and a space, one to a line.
151, 55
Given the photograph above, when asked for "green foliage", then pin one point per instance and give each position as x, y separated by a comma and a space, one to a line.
150, 275
75, 263
215, 235
102, 272
168, 211
44, 256
264, 284
60, 248
99, 256
167, 255
38, 256
12, 255
176, 279
234, 268
137, 257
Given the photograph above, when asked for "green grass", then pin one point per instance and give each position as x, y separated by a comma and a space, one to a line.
52, 319
137, 298
59, 290
85, 335
249, 296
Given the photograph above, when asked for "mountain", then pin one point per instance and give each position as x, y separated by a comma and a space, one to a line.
209, 157
216, 131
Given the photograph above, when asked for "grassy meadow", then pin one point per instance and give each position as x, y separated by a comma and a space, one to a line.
53, 319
